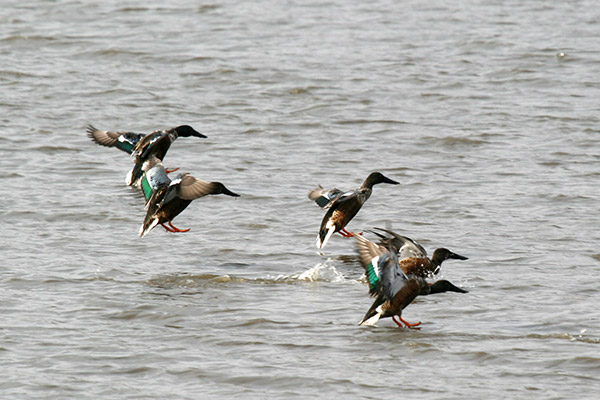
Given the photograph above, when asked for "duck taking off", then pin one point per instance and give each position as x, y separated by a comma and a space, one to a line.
343, 206
387, 281
141, 146
166, 198
414, 263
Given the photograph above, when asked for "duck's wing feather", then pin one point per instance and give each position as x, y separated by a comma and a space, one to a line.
154, 203
349, 203
404, 246
392, 278
191, 188
156, 143
368, 250
158, 146
154, 179
370, 254
125, 141
324, 197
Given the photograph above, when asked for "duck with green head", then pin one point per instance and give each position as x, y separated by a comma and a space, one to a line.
343, 206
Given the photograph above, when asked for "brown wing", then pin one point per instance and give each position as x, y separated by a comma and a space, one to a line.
191, 188
124, 141
367, 250
103, 138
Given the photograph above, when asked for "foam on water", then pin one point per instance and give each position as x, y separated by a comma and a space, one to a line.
324, 271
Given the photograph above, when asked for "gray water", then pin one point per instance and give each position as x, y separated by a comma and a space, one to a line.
486, 112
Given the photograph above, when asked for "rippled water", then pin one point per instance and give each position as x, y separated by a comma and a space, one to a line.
486, 112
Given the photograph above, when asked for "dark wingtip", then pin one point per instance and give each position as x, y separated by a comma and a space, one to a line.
90, 130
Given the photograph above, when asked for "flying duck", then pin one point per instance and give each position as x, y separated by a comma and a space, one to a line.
343, 206
413, 256
141, 146
413, 263
166, 198
387, 282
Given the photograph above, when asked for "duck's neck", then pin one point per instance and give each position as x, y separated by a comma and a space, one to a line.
368, 184
436, 263
173, 135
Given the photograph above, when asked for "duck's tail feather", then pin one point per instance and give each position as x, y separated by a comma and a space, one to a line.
148, 225
324, 235
370, 321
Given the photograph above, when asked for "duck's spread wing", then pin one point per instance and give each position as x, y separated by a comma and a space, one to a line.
191, 188
392, 278
367, 250
149, 143
347, 205
370, 255
405, 246
125, 141
159, 145
154, 179
324, 197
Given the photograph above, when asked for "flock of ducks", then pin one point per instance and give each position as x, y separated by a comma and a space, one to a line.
165, 198
396, 267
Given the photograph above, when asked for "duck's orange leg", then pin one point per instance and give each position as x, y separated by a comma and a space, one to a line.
406, 324
168, 171
166, 228
175, 229
345, 233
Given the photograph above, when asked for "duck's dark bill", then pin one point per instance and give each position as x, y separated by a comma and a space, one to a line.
388, 180
458, 256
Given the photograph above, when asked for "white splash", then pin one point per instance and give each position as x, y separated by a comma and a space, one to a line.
322, 272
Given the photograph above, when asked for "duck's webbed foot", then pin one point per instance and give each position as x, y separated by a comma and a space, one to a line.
173, 229
405, 324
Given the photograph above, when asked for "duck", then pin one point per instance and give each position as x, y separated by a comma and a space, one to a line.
166, 198
413, 256
414, 263
141, 146
394, 289
343, 206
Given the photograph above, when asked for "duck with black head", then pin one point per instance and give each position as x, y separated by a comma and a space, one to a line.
141, 146
343, 206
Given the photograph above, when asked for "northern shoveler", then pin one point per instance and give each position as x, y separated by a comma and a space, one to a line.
141, 146
343, 206
166, 198
413, 257
414, 264
394, 289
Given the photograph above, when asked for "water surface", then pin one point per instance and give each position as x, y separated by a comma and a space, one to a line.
485, 112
